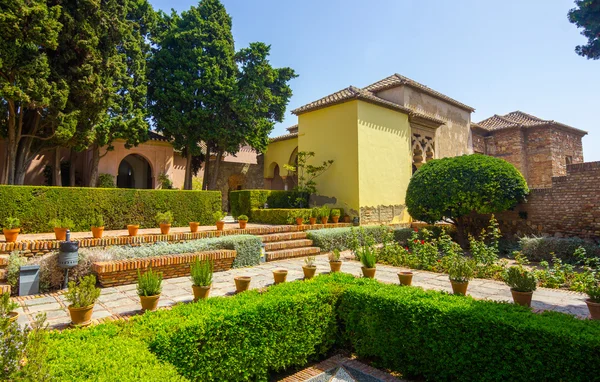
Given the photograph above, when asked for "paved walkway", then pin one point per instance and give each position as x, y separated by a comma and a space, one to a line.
123, 300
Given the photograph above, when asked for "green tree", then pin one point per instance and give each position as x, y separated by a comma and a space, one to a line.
586, 15
449, 189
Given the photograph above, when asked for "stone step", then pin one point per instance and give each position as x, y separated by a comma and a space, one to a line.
3, 274
287, 244
283, 236
4, 260
291, 253
4, 288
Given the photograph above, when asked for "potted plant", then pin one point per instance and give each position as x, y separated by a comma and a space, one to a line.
347, 219
194, 226
460, 272
335, 215
149, 286
61, 226
7, 307
367, 255
202, 277
335, 264
324, 214
279, 276
97, 226
132, 229
218, 218
593, 301
243, 220
522, 283
82, 298
314, 214
11, 229
242, 283
405, 277
309, 268
164, 220
299, 220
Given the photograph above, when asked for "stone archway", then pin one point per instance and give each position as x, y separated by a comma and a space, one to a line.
135, 171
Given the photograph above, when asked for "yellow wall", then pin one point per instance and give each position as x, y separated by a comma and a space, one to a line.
331, 133
385, 164
279, 153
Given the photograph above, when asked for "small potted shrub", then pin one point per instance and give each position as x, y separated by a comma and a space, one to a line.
314, 214
202, 277
149, 286
242, 283
194, 226
593, 301
335, 264
347, 219
164, 220
97, 226
299, 220
279, 276
243, 220
82, 298
405, 278
324, 214
132, 229
218, 217
61, 226
11, 229
309, 268
460, 272
335, 215
367, 255
522, 283
7, 307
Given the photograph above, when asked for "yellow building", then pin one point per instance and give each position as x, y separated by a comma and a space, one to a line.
377, 136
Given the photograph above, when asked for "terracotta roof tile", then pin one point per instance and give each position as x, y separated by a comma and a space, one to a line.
521, 119
292, 129
283, 137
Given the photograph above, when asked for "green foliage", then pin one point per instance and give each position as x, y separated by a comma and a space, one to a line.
84, 294
541, 248
307, 173
556, 275
202, 272
106, 181
97, 221
593, 292
243, 218
324, 212
520, 279
315, 212
310, 261
424, 252
279, 215
364, 250
165, 182
485, 251
6, 305
118, 206
164, 217
218, 216
342, 239
13, 270
335, 212
61, 223
586, 15
244, 202
23, 351
149, 283
461, 269
334, 255
11, 223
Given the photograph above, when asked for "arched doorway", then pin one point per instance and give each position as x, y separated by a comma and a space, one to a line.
277, 182
134, 172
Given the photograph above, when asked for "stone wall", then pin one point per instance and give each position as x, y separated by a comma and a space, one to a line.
571, 207
383, 214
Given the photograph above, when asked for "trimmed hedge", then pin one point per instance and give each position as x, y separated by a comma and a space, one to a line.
242, 202
279, 215
341, 238
36, 205
541, 248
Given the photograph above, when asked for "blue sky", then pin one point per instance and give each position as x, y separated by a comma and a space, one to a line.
497, 56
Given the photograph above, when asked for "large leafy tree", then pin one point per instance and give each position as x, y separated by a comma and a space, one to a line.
449, 189
586, 15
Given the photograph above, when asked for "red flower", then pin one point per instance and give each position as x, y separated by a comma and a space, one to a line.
406, 248
416, 230
439, 261
422, 241
416, 241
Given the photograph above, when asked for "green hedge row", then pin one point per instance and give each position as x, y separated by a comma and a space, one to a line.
36, 205
341, 238
284, 215
420, 334
541, 248
242, 202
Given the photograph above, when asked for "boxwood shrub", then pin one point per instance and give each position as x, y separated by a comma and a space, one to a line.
242, 202
279, 215
36, 205
341, 238
541, 248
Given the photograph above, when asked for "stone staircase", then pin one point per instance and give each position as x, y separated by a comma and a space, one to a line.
286, 245
4, 287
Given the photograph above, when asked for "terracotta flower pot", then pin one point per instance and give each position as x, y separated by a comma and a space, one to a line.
299, 221
242, 283
459, 287
347, 219
60, 233
313, 221
324, 220
522, 298
279, 275
335, 266
201, 292
335, 219
12, 316
165, 228
194, 226
594, 308
405, 278
149, 302
81, 316
243, 223
10, 235
133, 229
97, 232
220, 225
368, 272
309, 272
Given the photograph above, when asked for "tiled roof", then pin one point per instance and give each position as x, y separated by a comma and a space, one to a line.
397, 80
521, 119
283, 137
154, 136
292, 129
